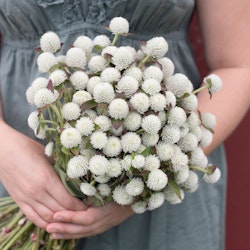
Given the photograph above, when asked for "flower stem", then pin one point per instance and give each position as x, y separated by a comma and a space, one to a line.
144, 60
115, 39
204, 170
205, 86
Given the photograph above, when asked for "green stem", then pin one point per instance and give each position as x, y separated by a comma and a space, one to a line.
144, 60
204, 170
56, 111
205, 86
115, 39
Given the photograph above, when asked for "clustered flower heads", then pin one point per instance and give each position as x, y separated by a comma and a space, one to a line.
120, 124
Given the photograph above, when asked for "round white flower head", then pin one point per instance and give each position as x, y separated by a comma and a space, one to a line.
185, 129
164, 151
179, 160
118, 109
50, 42
171, 134
153, 72
103, 92
115, 168
81, 96
192, 182
49, 149
70, 138
130, 142
61, 59
45, 61
99, 165
156, 47
119, 25
43, 97
157, 102
151, 124
113, 147
134, 72
103, 122
126, 162
104, 189
151, 86
150, 140
135, 187
89, 113
102, 178
193, 120
170, 98
123, 58
97, 63
214, 81
92, 83
179, 84
177, 116
133, 121
214, 177
197, 131
157, 180
84, 43
79, 79
163, 117
121, 197
182, 175
71, 111
156, 200
101, 41
152, 162
188, 142
207, 137
76, 57
33, 120
138, 162
87, 189
109, 51
57, 77
208, 120
98, 139
110, 75
196, 156
139, 207
140, 102
85, 126
190, 102
127, 85
77, 166
167, 67
172, 197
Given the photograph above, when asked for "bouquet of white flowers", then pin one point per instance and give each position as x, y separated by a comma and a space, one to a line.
120, 124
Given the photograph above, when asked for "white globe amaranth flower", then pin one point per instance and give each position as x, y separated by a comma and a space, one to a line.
170, 98
152, 162
45, 61
84, 43
138, 162
70, 111
171, 134
140, 102
81, 96
58, 77
118, 109
192, 182
126, 162
97, 63
193, 120
77, 166
92, 83
33, 120
115, 168
101, 41
157, 102
151, 124
190, 102
177, 116
213, 177
98, 139
76, 57
133, 121
85, 126
113, 147
61, 59
181, 175
179, 160
109, 51
130, 142
48, 150
208, 120
103, 122
207, 137
104, 190
99, 165
121, 197
70, 138
185, 129
214, 81
139, 207
156, 47
87, 189
163, 117
151, 86
167, 67
135, 186
179, 84
172, 197
196, 156
164, 151
110, 75
50, 42
102, 179
79, 79
44, 96
156, 200
150, 140
103, 92
157, 180
188, 142
197, 131
123, 58
119, 25
153, 72
134, 72
89, 113
127, 85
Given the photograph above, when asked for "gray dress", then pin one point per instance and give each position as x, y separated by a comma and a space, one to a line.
197, 223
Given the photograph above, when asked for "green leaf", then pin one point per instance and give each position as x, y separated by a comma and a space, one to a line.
175, 188
89, 104
146, 151
66, 151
